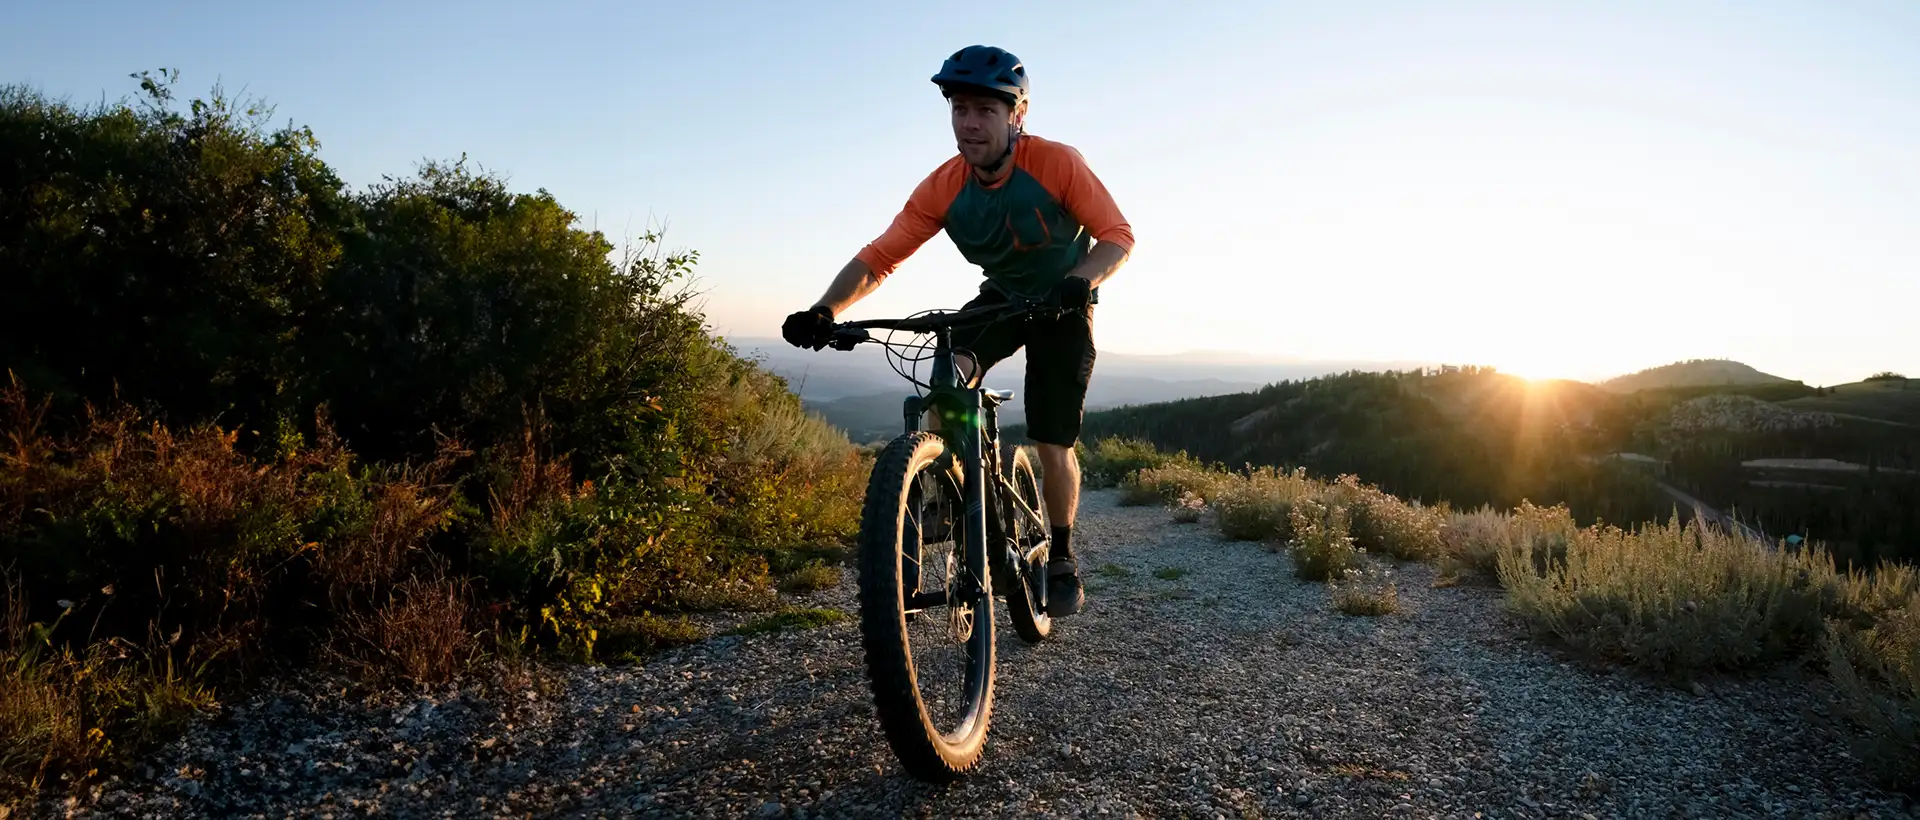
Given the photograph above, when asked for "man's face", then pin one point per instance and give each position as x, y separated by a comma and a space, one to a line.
980, 125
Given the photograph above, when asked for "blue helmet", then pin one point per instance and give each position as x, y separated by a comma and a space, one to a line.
984, 67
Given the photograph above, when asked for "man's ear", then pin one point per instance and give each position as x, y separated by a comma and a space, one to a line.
1020, 113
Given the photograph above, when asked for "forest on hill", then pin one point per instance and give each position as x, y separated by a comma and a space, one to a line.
1776, 454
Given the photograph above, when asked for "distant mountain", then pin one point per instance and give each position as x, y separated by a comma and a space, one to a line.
829, 374
876, 416
1692, 373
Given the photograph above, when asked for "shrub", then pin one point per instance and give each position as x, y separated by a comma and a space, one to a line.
1188, 509
1365, 592
1112, 460
811, 578
1476, 540
1673, 598
1383, 523
1166, 484
1873, 655
1255, 506
1321, 547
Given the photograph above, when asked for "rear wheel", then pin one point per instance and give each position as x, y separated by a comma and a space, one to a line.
932, 673
1026, 599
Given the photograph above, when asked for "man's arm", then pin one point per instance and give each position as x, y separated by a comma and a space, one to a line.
852, 284
1102, 261
1064, 172
919, 219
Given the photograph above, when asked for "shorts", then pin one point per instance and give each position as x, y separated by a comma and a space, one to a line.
1060, 358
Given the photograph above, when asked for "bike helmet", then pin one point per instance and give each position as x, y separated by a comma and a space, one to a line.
984, 67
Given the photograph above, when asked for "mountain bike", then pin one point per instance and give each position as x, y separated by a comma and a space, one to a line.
948, 526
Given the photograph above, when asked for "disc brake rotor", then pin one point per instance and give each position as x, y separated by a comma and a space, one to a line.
959, 613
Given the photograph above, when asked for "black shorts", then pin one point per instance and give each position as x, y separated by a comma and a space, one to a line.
1059, 364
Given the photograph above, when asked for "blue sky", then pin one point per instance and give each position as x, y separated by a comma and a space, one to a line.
1555, 188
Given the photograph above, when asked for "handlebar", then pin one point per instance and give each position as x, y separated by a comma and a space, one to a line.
848, 334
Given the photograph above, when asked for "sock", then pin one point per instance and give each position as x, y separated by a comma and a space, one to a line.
1062, 543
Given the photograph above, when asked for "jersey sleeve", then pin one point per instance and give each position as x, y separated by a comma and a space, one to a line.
1064, 173
924, 214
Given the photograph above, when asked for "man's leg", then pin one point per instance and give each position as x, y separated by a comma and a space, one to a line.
1059, 366
1060, 483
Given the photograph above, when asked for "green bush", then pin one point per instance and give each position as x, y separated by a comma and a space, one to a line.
1112, 460
364, 428
1877, 670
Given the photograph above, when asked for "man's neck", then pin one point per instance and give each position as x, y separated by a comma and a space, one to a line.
1006, 170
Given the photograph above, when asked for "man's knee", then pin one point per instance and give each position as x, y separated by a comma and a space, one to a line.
1057, 458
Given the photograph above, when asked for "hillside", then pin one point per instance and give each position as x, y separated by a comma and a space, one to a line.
1469, 437
1886, 400
1479, 437
1692, 373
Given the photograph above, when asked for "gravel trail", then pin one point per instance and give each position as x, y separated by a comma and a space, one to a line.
1232, 690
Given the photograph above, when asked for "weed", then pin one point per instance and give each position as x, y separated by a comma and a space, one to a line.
810, 618
1170, 573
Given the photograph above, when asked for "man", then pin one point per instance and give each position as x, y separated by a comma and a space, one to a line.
1028, 211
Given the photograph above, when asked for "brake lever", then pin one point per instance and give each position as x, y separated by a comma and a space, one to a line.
846, 338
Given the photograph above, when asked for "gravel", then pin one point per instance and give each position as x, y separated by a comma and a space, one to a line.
1232, 691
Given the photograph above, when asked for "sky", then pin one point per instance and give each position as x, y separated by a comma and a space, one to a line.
1556, 188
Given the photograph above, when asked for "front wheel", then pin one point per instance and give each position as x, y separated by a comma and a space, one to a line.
932, 674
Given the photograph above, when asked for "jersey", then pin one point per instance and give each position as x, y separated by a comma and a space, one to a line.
1026, 232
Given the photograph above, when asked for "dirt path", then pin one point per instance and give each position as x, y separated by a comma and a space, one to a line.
1232, 690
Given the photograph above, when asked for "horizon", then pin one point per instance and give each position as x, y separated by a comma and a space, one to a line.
1576, 191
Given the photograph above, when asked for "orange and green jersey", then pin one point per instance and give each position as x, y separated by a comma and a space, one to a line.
1026, 232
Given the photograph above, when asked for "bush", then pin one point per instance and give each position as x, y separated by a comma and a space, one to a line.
1113, 460
1167, 484
1673, 598
1476, 540
1365, 592
365, 429
1873, 655
1255, 506
1322, 549
1381, 522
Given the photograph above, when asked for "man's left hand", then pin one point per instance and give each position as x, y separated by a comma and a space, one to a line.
1073, 293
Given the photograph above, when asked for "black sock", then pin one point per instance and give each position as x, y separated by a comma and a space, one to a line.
1062, 546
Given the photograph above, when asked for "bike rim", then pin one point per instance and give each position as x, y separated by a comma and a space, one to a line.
945, 644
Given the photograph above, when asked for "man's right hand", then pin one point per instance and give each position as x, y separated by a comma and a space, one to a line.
809, 328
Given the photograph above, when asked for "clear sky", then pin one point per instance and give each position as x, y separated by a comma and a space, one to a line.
1556, 188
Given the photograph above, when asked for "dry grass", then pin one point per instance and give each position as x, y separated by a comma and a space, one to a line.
1877, 670
1674, 598
425, 634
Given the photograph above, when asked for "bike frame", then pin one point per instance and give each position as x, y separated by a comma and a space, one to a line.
969, 423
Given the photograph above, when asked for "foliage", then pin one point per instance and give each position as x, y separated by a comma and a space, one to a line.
1369, 591
285, 422
1322, 549
1886, 376
792, 619
1877, 669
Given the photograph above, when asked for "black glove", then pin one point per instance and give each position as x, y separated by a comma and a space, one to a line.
809, 328
1073, 293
